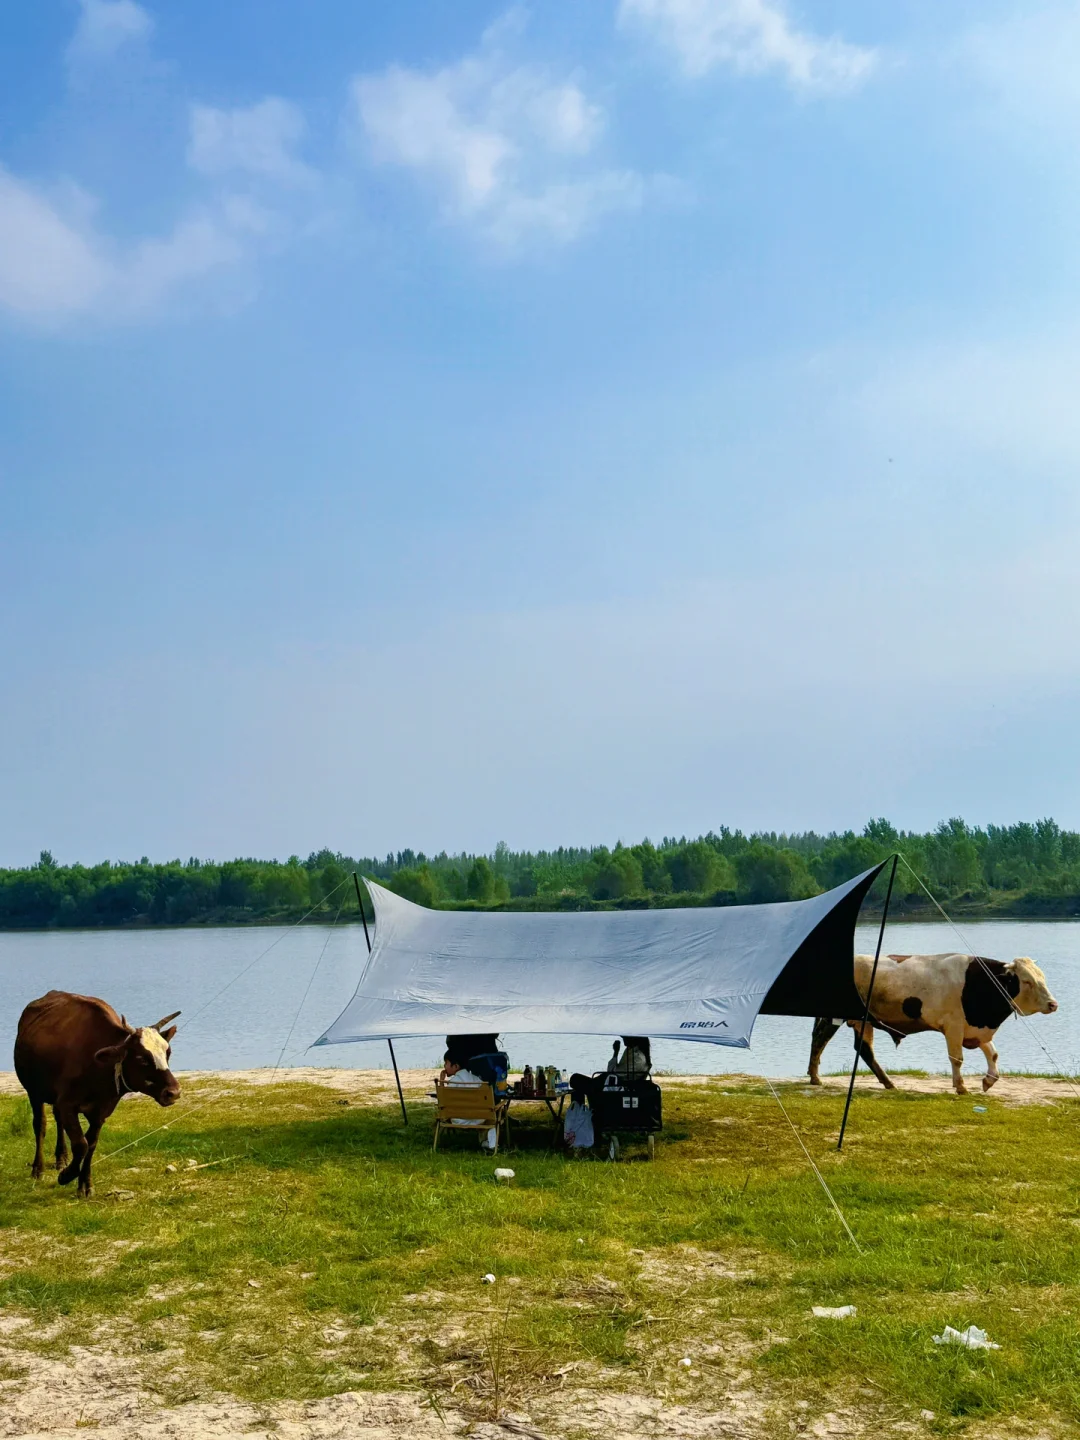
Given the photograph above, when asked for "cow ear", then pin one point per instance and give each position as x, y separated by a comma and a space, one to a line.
112, 1054
169, 1033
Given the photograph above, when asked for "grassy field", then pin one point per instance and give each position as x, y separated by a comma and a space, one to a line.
322, 1247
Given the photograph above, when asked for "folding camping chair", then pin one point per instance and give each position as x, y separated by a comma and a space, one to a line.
474, 1103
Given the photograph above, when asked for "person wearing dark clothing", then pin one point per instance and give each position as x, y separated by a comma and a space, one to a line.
634, 1063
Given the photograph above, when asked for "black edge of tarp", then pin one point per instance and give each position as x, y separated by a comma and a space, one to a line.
819, 979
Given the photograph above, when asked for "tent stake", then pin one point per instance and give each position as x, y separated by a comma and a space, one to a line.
393, 1057
861, 1033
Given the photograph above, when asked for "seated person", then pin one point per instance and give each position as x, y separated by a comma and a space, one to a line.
481, 1055
453, 1073
636, 1060
462, 1048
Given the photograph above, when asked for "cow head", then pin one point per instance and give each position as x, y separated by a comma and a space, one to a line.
1033, 997
141, 1061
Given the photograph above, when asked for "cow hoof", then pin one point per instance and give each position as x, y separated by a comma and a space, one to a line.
989, 1080
962, 1090
36, 1172
888, 1084
815, 1079
66, 1176
85, 1191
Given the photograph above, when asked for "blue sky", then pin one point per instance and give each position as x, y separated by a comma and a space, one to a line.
439, 423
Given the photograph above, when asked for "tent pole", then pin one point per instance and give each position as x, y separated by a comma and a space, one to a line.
393, 1057
360, 902
397, 1077
866, 1008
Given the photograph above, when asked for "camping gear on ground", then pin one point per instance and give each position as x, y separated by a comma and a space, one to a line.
623, 1105
578, 1128
470, 1108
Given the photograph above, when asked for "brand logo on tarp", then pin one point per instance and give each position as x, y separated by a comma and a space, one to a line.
703, 1024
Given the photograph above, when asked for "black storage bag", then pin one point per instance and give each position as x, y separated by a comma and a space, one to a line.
621, 1104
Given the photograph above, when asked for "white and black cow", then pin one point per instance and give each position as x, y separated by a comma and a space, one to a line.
966, 997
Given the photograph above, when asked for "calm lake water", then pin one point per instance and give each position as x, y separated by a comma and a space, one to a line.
147, 973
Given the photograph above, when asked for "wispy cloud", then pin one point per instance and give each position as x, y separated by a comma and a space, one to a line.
105, 26
750, 37
55, 264
260, 139
506, 145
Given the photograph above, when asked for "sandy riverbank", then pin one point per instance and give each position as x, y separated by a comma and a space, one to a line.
377, 1086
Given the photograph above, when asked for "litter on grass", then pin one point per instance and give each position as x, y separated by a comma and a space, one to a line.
834, 1312
972, 1338
488, 1279
504, 1175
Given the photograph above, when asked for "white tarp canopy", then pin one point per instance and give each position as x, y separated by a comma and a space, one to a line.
701, 973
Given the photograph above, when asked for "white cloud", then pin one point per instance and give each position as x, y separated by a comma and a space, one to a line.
504, 143
48, 268
55, 266
105, 26
260, 139
750, 37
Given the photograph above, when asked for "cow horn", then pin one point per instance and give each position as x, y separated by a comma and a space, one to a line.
164, 1020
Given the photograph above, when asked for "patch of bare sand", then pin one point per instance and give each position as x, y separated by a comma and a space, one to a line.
378, 1087
99, 1389
1014, 1089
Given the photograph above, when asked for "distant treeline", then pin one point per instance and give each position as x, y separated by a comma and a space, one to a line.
1025, 869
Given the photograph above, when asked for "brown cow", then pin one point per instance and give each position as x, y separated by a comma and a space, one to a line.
965, 997
75, 1053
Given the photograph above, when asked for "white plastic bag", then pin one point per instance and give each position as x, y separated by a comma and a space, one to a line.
972, 1338
833, 1312
578, 1128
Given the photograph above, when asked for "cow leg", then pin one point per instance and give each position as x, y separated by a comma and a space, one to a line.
94, 1122
865, 1047
61, 1142
954, 1039
69, 1118
824, 1030
37, 1169
991, 1077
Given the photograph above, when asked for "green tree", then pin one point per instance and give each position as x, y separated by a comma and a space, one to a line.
697, 867
766, 875
481, 881
845, 857
615, 875
417, 885
655, 875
